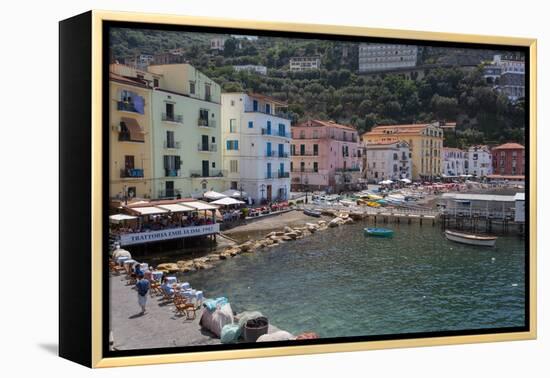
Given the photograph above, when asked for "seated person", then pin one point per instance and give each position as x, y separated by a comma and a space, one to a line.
166, 287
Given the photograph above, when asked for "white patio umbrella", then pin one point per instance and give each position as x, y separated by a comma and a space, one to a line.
405, 180
212, 195
235, 193
386, 182
227, 201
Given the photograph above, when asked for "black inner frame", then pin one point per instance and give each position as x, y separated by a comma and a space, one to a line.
221, 30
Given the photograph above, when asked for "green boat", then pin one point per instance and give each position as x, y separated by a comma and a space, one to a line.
381, 232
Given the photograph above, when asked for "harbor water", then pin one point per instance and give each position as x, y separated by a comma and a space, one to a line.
340, 283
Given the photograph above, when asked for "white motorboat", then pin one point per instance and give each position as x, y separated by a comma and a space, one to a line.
471, 239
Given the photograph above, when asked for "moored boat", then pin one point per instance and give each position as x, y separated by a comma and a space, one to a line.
312, 213
382, 232
471, 239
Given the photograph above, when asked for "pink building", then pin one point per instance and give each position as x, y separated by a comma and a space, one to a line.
325, 156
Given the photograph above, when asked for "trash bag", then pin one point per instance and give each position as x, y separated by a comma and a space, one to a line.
215, 321
276, 336
230, 333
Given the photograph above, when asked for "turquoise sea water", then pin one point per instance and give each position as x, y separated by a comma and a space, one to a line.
341, 283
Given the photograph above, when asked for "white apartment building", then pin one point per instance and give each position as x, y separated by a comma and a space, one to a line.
305, 63
256, 146
479, 161
374, 57
454, 162
507, 74
262, 70
388, 160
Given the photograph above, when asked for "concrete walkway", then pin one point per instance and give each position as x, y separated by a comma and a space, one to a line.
159, 327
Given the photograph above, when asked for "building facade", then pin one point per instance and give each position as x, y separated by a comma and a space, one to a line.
168, 58
454, 162
425, 143
479, 161
186, 113
305, 63
376, 57
388, 161
509, 159
325, 156
139, 61
507, 74
217, 43
130, 171
256, 146
261, 70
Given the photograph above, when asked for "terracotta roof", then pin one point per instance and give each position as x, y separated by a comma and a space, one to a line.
319, 123
509, 146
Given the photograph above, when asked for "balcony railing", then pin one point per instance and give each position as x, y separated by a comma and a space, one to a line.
205, 122
305, 170
170, 172
324, 136
178, 118
175, 145
305, 153
357, 169
283, 174
210, 173
131, 172
126, 106
266, 131
169, 193
211, 147
282, 154
124, 136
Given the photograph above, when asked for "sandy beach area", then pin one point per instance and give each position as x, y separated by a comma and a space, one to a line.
292, 218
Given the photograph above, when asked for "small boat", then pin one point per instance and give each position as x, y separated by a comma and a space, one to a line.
348, 202
312, 213
471, 239
382, 232
373, 204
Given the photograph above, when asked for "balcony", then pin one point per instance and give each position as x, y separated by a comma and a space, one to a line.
176, 118
207, 147
171, 172
276, 133
174, 145
348, 169
126, 136
281, 174
205, 122
282, 115
196, 173
305, 170
131, 173
126, 107
305, 153
169, 193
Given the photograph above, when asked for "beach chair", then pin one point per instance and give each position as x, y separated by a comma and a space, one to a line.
166, 295
155, 289
184, 308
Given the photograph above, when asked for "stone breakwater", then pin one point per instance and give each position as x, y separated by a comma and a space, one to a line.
272, 239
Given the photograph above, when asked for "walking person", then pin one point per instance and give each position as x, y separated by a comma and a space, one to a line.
142, 286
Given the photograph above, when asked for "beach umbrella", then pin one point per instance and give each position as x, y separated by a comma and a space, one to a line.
116, 218
212, 195
405, 180
227, 201
235, 193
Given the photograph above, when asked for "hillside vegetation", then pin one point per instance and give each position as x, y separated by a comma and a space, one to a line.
339, 93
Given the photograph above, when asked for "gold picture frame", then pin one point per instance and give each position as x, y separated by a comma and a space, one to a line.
95, 21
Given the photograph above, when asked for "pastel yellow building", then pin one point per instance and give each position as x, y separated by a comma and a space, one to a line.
186, 132
425, 143
129, 133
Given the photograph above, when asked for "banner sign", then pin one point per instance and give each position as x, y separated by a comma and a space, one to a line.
172, 233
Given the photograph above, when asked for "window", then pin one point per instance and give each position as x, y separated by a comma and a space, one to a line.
315, 166
232, 102
293, 149
302, 149
156, 83
316, 149
232, 145
213, 164
232, 125
234, 185
250, 124
192, 87
233, 166
315, 134
170, 143
302, 166
207, 94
